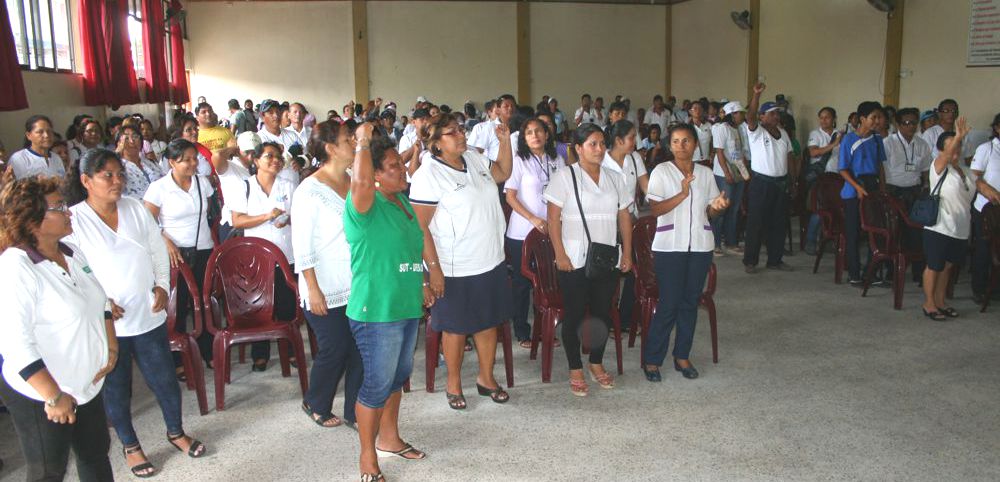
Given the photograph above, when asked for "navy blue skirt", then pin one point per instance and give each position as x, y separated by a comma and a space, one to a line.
473, 303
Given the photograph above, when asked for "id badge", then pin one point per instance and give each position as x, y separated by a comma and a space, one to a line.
911, 167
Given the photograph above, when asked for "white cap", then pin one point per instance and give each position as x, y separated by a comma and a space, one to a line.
421, 99
248, 141
734, 106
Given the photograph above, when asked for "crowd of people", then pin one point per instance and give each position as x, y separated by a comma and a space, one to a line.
385, 214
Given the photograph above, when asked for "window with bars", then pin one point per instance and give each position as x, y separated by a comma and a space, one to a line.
135, 20
43, 35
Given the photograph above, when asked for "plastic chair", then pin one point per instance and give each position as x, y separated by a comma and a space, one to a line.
830, 209
991, 224
648, 291
245, 269
884, 218
186, 343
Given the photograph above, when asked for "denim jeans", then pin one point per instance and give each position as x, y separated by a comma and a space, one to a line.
46, 445
724, 225
387, 354
151, 353
681, 280
521, 289
338, 356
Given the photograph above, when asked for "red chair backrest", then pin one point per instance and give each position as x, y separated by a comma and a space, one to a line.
538, 264
243, 270
878, 219
182, 274
828, 201
642, 252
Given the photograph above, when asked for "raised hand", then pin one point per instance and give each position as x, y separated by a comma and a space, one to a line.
503, 132
759, 87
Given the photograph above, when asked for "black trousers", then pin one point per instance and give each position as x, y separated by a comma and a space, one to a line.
198, 262
46, 445
767, 215
579, 295
852, 231
982, 260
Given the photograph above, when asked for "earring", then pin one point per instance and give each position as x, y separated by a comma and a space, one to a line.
377, 184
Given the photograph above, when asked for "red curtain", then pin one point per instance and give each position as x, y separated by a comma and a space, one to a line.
157, 80
180, 86
12, 96
109, 76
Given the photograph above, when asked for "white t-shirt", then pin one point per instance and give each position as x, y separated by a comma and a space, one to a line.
318, 242
529, 177
53, 316
128, 262
819, 138
586, 117
232, 185
931, 136
769, 156
987, 161
745, 139
179, 210
704, 150
486, 139
408, 139
630, 173
258, 202
905, 161
468, 223
286, 137
303, 135
27, 163
954, 216
726, 138
601, 118
663, 119
686, 227
601, 202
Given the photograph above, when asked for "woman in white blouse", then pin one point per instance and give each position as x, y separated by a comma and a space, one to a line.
140, 171
696, 114
946, 242
126, 252
179, 201
261, 211
37, 158
454, 195
58, 338
157, 146
90, 138
534, 165
323, 261
683, 195
824, 152
605, 201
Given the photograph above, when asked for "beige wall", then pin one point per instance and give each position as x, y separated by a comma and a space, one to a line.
295, 51
821, 53
709, 52
59, 96
448, 52
603, 50
934, 49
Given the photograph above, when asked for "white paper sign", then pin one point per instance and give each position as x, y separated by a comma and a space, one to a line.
984, 33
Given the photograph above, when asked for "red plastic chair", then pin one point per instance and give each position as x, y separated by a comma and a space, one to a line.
648, 292
991, 225
538, 265
432, 349
186, 343
830, 209
884, 219
245, 269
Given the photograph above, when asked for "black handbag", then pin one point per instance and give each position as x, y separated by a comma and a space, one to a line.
602, 259
925, 209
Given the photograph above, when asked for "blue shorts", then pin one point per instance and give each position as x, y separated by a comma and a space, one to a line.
387, 355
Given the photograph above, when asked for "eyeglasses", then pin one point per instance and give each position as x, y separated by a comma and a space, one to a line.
908, 123
456, 132
947, 111
59, 208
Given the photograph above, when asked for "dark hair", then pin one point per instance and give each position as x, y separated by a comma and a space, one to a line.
787, 121
657, 97
121, 132
324, 133
581, 133
380, 146
703, 102
490, 104
506, 97
260, 149
433, 130
470, 110
905, 112
22, 208
995, 124
74, 129
234, 104
203, 105
617, 105
89, 164
30, 123
944, 138
831, 110
618, 130
522, 142
177, 147
946, 102
179, 129
683, 126
585, 96
867, 107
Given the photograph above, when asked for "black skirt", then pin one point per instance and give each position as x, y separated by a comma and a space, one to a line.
473, 303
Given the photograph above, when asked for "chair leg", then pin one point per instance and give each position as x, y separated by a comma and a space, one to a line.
899, 281
869, 273
188, 362
709, 303
841, 261
536, 332
508, 352
220, 359
243, 353
431, 349
548, 330
197, 374
634, 322
283, 357
819, 254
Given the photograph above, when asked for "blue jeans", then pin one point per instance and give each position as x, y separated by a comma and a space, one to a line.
812, 232
151, 352
338, 355
681, 279
521, 290
387, 353
724, 225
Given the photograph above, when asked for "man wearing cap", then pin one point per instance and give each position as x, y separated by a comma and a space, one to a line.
233, 164
270, 115
767, 208
729, 168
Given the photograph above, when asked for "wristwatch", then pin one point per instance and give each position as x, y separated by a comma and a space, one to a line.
51, 403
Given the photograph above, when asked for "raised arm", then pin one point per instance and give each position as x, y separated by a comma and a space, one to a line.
952, 146
754, 105
363, 173
502, 167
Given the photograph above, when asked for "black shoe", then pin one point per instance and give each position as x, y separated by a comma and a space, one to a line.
652, 375
750, 269
857, 283
690, 372
781, 267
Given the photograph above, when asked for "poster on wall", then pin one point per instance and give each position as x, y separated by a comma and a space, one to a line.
984, 33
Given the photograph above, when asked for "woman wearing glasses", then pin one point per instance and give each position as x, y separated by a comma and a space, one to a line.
139, 170
454, 194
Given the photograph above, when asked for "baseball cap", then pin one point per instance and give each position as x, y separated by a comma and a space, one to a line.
421, 113
421, 99
731, 107
268, 104
248, 141
768, 107
928, 114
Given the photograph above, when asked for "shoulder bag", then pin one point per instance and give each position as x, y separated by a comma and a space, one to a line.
925, 209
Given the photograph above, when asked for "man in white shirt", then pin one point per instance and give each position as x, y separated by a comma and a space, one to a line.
233, 166
986, 168
486, 141
947, 112
908, 158
602, 117
585, 114
767, 204
270, 115
658, 114
297, 114
681, 114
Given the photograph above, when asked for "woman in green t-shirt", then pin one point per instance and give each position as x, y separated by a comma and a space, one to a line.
388, 293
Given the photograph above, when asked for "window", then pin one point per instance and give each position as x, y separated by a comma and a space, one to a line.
135, 37
42, 34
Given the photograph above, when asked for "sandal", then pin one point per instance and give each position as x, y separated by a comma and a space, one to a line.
949, 312
524, 344
401, 453
605, 380
321, 420
934, 315
373, 477
456, 402
578, 387
195, 450
498, 395
138, 470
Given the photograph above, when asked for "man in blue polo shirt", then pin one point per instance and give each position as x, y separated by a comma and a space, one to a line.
861, 157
